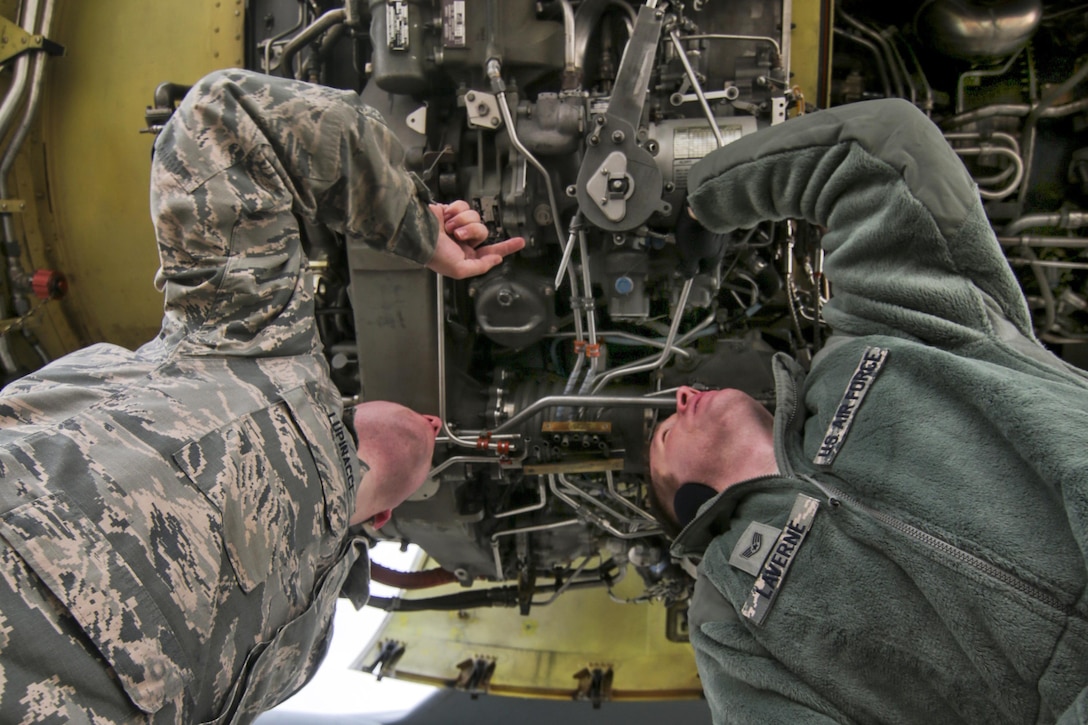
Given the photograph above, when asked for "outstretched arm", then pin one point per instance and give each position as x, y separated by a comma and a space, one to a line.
241, 161
909, 249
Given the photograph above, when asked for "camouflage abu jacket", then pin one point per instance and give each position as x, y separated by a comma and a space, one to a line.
921, 558
173, 521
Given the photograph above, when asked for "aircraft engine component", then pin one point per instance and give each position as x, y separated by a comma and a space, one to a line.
574, 124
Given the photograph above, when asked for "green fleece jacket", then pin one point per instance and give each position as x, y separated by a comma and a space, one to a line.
921, 556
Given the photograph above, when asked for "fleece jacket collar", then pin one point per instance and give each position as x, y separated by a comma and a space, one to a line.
715, 516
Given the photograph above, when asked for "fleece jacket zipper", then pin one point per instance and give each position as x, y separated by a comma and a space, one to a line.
835, 497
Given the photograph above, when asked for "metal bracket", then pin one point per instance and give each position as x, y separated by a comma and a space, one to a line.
677, 627
475, 675
386, 661
594, 684
483, 110
15, 41
10, 206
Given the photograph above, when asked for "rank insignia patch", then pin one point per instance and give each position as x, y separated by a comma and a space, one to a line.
780, 558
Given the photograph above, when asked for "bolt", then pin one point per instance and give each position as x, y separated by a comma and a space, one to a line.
618, 137
471, 97
494, 121
482, 109
600, 120
505, 297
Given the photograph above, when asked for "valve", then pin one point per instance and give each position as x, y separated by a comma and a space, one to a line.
49, 284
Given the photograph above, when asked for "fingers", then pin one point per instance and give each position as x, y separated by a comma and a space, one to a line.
502, 249
466, 268
465, 226
473, 234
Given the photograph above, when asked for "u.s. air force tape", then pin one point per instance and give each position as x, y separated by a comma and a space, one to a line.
779, 560
872, 360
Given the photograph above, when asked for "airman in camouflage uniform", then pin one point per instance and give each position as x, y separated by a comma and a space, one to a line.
174, 521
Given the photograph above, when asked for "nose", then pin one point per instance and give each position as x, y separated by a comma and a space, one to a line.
684, 397
435, 423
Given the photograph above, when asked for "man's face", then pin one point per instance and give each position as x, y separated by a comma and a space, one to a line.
712, 433
398, 444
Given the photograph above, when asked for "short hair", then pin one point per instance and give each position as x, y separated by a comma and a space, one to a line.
658, 506
659, 511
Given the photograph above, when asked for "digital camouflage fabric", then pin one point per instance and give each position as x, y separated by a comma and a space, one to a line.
174, 520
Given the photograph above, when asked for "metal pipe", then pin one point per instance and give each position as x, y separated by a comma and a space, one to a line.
630, 336
697, 87
523, 530
589, 307
584, 401
884, 53
876, 54
787, 31
455, 460
661, 359
725, 36
579, 333
928, 103
687, 336
314, 29
562, 479
441, 287
14, 98
34, 68
541, 492
897, 60
30, 108
571, 62
267, 67
1037, 241
1062, 220
568, 582
1018, 168
592, 517
1047, 101
494, 72
568, 250
1052, 264
619, 497
961, 84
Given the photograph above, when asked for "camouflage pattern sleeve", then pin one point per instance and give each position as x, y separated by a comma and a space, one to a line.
174, 520
243, 158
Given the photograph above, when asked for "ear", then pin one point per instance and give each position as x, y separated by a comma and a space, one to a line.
689, 499
381, 518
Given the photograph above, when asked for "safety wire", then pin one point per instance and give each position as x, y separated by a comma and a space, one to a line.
15, 324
